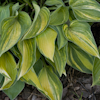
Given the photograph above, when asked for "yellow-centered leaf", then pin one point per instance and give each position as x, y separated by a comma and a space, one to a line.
46, 42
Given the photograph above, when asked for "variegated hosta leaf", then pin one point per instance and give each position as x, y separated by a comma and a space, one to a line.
80, 34
61, 40
60, 59
10, 34
96, 71
4, 12
54, 2
79, 59
39, 24
31, 78
50, 83
28, 56
13, 91
8, 69
59, 16
86, 10
46, 42
25, 22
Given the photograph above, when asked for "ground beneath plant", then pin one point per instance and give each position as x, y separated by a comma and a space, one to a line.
76, 85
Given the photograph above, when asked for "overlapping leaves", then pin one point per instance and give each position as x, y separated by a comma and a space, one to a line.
10, 34
79, 59
86, 10
28, 55
8, 70
62, 16
47, 38
51, 84
80, 34
40, 22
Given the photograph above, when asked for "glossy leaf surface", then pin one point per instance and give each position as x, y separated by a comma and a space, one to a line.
59, 16
46, 42
10, 34
79, 59
28, 56
8, 69
51, 84
80, 34
86, 10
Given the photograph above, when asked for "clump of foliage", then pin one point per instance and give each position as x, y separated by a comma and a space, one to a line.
37, 39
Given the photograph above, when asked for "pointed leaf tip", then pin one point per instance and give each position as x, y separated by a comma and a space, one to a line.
46, 43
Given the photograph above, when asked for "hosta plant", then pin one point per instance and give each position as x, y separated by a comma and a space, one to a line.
38, 39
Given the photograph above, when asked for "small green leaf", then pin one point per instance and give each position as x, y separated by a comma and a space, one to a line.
25, 22
96, 71
13, 91
80, 34
62, 16
60, 59
54, 2
10, 34
40, 22
8, 69
51, 84
86, 10
79, 59
46, 42
28, 56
